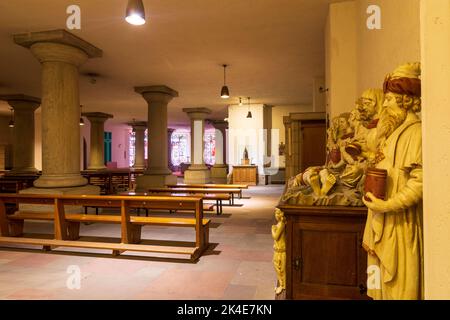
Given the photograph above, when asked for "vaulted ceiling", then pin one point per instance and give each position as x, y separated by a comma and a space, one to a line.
274, 48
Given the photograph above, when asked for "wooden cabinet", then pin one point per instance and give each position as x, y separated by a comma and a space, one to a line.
306, 136
325, 258
245, 175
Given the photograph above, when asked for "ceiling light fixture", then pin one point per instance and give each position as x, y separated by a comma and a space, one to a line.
81, 118
249, 114
240, 102
225, 93
135, 13
11, 122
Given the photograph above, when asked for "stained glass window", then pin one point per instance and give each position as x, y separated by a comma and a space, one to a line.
181, 149
210, 147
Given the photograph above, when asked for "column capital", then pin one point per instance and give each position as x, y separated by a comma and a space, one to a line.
97, 116
220, 124
156, 93
21, 101
139, 125
197, 113
59, 36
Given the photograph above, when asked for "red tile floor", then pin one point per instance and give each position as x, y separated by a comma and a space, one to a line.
237, 266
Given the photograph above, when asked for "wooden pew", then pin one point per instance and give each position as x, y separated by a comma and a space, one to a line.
210, 186
67, 225
219, 198
202, 191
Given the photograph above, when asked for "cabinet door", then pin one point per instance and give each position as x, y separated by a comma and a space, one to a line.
328, 261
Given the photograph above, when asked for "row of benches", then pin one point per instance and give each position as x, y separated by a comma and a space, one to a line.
67, 225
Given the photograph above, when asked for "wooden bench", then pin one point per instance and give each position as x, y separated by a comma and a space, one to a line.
200, 191
219, 198
210, 186
67, 225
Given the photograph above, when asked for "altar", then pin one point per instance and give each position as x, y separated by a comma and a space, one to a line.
245, 174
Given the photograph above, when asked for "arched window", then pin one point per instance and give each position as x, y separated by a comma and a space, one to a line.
210, 147
181, 149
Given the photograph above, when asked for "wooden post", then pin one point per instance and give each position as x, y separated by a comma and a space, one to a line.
199, 237
125, 223
60, 221
4, 229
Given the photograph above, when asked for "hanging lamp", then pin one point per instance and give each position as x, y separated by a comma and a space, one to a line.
11, 121
225, 93
135, 13
240, 102
249, 114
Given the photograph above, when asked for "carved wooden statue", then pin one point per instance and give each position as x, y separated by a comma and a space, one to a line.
279, 250
393, 234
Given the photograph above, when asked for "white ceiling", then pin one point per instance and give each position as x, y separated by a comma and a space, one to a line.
274, 48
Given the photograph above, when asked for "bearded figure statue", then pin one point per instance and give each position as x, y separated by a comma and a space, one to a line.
393, 233
340, 181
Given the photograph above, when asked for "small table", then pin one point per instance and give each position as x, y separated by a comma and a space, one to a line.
246, 175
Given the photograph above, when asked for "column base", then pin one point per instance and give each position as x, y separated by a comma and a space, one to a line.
147, 181
96, 168
219, 174
197, 176
60, 181
84, 190
22, 172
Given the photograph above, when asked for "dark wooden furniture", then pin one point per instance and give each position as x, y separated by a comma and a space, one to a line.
197, 191
210, 186
245, 175
324, 254
67, 225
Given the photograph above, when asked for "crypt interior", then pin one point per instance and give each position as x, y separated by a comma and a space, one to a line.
225, 150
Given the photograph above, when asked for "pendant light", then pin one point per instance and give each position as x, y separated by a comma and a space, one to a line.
249, 114
81, 118
240, 102
11, 122
225, 93
135, 14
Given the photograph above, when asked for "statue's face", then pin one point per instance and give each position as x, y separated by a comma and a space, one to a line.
390, 104
367, 109
343, 123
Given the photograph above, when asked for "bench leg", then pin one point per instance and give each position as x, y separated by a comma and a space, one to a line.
206, 235
16, 228
73, 229
136, 233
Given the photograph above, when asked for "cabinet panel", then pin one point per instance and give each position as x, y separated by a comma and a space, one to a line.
325, 256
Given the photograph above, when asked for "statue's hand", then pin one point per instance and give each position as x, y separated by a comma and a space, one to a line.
375, 204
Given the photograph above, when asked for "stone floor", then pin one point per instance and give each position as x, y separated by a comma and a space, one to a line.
237, 266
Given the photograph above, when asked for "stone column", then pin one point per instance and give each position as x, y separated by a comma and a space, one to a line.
24, 107
157, 173
198, 172
435, 32
169, 144
219, 170
97, 150
60, 54
139, 146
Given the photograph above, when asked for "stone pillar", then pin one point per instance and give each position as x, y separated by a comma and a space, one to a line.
60, 54
157, 173
219, 170
169, 144
435, 32
139, 146
24, 107
97, 150
198, 172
